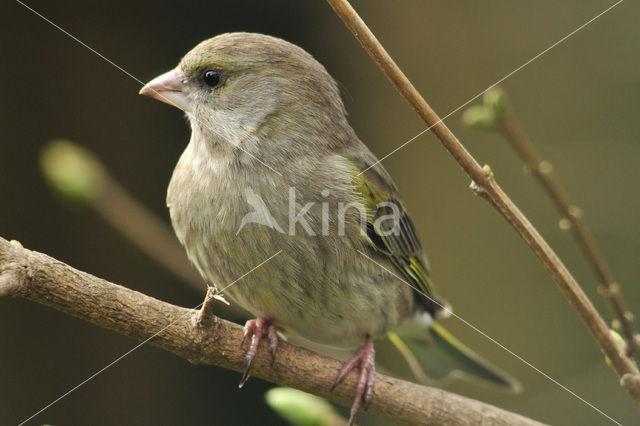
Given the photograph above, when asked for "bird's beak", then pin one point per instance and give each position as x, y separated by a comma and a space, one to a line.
168, 88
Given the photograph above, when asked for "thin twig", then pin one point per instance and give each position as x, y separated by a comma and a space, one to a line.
486, 186
543, 171
145, 230
79, 177
40, 278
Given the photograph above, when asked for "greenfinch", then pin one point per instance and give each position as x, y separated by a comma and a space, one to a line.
275, 176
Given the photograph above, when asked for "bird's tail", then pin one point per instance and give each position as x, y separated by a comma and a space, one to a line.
436, 356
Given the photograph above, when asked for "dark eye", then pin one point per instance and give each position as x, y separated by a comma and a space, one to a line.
211, 77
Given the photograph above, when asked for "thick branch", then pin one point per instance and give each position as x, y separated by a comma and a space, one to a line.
486, 186
40, 278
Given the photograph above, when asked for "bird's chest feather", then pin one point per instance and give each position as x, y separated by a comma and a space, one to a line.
207, 201
316, 283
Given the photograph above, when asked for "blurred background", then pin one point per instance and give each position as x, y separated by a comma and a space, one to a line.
579, 103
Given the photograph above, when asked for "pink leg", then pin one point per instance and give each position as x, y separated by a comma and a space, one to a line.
364, 359
256, 329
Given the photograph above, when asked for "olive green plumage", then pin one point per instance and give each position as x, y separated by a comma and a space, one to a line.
271, 123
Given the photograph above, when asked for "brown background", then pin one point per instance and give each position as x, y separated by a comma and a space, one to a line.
579, 103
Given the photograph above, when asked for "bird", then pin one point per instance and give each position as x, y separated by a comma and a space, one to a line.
274, 175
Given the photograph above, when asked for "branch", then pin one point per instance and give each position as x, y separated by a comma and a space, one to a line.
484, 184
542, 170
206, 339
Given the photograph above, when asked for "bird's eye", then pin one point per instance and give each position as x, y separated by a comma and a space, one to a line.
211, 78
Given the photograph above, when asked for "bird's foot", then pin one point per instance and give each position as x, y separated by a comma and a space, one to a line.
364, 359
257, 329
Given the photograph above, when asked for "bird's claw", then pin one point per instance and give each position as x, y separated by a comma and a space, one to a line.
256, 329
364, 359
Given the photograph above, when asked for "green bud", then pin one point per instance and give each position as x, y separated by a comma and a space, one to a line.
72, 171
302, 409
477, 117
495, 101
564, 224
620, 342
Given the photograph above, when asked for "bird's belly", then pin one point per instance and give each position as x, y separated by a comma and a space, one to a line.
334, 297
319, 286
340, 314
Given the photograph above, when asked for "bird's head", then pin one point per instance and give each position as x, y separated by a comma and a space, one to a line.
237, 85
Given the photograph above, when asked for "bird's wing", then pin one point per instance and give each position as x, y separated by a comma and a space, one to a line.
395, 238
431, 352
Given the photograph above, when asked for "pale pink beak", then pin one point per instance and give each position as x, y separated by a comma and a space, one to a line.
168, 88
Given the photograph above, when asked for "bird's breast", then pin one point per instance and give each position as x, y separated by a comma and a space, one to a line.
315, 284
